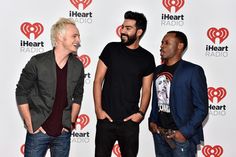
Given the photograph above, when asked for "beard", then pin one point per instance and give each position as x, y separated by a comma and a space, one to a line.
130, 39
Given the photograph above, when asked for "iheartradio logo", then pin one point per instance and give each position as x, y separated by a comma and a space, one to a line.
209, 151
85, 59
118, 30
214, 33
177, 4
22, 149
116, 150
218, 93
28, 28
82, 120
85, 3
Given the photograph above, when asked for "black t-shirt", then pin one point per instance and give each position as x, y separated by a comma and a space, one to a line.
123, 80
163, 82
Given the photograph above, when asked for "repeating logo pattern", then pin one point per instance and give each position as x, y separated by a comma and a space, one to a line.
22, 149
28, 28
177, 4
82, 120
85, 59
209, 151
218, 93
214, 33
116, 150
85, 3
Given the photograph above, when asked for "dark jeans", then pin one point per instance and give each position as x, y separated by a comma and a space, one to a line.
36, 145
126, 133
183, 149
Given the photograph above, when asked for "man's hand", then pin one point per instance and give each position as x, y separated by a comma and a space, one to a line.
136, 117
101, 114
178, 136
153, 127
40, 129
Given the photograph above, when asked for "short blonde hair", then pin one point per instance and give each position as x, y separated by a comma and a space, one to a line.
59, 28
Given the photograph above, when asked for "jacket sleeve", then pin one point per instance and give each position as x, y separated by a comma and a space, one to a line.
26, 81
199, 101
79, 89
154, 109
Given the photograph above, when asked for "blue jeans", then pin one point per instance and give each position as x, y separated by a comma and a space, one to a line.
36, 145
183, 149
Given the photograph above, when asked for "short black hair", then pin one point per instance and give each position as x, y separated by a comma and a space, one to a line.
141, 21
182, 37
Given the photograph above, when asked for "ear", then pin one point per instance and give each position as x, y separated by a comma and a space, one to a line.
181, 46
139, 32
59, 37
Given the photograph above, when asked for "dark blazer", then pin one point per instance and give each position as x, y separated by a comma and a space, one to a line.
37, 87
188, 100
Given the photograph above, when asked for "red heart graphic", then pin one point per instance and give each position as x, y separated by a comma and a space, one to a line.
116, 150
177, 4
82, 120
36, 29
209, 151
85, 59
85, 3
214, 33
218, 93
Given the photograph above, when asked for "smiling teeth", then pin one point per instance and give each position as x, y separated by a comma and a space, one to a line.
77, 45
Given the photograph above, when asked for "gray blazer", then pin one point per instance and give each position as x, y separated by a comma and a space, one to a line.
37, 87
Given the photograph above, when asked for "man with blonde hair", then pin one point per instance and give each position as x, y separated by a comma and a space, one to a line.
49, 93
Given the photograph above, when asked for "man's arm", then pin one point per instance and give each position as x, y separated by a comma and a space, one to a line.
97, 90
27, 79
200, 102
25, 114
146, 93
74, 113
77, 99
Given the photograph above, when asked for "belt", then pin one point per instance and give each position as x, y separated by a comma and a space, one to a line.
165, 133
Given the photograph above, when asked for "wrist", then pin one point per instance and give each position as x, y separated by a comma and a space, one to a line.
141, 113
98, 109
73, 125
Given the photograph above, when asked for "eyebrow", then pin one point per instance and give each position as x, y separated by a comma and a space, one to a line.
128, 26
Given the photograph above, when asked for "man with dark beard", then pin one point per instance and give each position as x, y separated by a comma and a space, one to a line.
124, 68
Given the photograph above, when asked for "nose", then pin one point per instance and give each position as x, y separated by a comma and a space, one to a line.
122, 30
162, 44
78, 39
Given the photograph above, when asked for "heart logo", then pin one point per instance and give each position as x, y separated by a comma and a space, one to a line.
22, 149
85, 59
177, 4
209, 151
214, 33
82, 120
28, 28
85, 3
116, 150
218, 93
